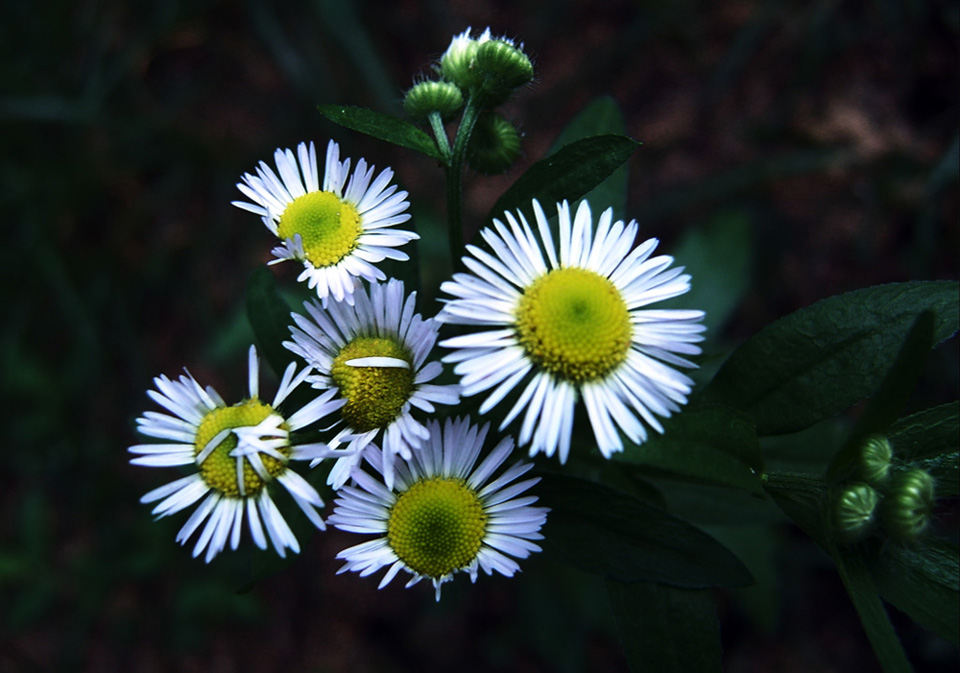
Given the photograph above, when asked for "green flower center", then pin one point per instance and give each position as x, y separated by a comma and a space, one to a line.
328, 226
219, 468
574, 323
437, 526
375, 395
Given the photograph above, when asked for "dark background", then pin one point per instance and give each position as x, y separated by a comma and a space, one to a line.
830, 127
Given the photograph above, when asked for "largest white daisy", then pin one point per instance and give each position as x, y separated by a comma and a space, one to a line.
339, 229
237, 453
572, 325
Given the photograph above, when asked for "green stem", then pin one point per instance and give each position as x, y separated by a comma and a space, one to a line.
440, 133
455, 180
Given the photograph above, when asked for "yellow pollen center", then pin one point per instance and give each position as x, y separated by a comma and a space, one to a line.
219, 468
375, 395
328, 226
437, 526
573, 323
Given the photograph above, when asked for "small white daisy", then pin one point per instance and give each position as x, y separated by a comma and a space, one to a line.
374, 353
442, 516
572, 325
238, 452
339, 230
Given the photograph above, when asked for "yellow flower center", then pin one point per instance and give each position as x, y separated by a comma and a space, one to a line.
574, 323
375, 395
437, 526
328, 226
219, 468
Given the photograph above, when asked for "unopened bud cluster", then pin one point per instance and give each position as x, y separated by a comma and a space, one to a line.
486, 71
901, 502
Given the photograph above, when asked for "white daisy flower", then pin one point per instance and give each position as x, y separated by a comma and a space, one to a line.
339, 230
442, 516
374, 353
238, 452
572, 325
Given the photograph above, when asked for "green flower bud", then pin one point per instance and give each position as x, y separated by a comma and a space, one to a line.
875, 456
853, 511
494, 145
427, 97
458, 63
908, 505
500, 60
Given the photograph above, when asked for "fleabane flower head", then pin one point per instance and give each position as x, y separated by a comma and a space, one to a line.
442, 515
569, 324
340, 228
236, 454
374, 353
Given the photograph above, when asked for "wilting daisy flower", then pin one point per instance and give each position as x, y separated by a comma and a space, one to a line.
442, 516
574, 325
238, 452
374, 353
339, 230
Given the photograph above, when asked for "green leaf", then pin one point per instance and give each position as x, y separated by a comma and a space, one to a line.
269, 316
923, 582
567, 174
708, 444
600, 117
666, 628
718, 257
605, 531
818, 361
928, 440
383, 127
859, 583
891, 396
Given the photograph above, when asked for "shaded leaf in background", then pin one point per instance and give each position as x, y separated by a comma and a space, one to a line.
624, 538
709, 444
600, 117
821, 359
666, 629
718, 256
567, 174
381, 126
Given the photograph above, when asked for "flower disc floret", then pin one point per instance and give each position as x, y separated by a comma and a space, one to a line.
375, 395
437, 526
574, 324
328, 228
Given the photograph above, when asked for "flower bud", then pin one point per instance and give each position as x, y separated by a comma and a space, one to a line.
854, 510
458, 63
875, 456
425, 98
908, 505
499, 59
494, 145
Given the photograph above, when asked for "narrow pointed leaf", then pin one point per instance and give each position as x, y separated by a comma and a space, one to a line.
269, 316
383, 127
567, 174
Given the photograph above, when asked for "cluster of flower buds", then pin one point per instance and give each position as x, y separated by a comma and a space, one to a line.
484, 71
900, 500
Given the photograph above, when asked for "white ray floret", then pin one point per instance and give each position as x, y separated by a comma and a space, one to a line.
572, 321
339, 239
236, 453
445, 514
